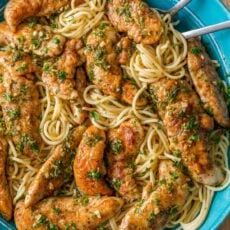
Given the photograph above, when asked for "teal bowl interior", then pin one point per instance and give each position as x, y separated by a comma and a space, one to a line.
196, 14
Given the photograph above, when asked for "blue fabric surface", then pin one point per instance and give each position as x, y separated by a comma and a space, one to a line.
195, 15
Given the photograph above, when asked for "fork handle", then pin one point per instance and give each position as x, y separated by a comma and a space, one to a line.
206, 30
181, 4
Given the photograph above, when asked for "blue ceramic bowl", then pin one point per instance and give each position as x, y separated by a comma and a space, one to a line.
197, 14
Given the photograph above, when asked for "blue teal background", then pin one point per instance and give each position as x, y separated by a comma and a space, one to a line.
195, 15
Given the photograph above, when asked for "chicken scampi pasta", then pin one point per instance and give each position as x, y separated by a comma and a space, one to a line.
109, 118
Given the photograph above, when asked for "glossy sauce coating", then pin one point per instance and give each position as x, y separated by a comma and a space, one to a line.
18, 10
136, 19
124, 143
152, 211
67, 213
186, 125
59, 74
6, 203
57, 170
89, 168
207, 82
102, 65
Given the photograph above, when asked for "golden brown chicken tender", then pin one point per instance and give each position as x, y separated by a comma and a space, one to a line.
21, 110
17, 63
102, 65
124, 143
182, 114
136, 19
6, 203
170, 193
207, 82
59, 74
18, 10
57, 170
39, 39
67, 213
89, 169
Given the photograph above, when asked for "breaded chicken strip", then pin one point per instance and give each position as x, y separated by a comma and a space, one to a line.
6, 204
67, 213
21, 110
186, 124
38, 39
101, 58
18, 10
124, 143
207, 82
57, 170
152, 211
89, 168
17, 63
59, 73
136, 19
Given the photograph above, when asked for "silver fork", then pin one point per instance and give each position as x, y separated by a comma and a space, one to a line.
206, 30
197, 32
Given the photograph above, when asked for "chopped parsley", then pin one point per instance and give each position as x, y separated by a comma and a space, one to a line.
47, 67
170, 186
8, 97
24, 89
94, 175
117, 184
22, 67
1, 78
71, 227
158, 202
56, 40
151, 218
116, 146
35, 41
21, 39
92, 141
191, 124
194, 137
62, 75
174, 175
94, 115
32, 22
126, 12
138, 205
177, 153
16, 56
27, 141
163, 181
180, 166
56, 170
57, 210
13, 113
195, 50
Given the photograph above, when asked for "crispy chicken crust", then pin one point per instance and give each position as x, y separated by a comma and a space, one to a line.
18, 10
57, 170
124, 143
186, 125
152, 211
67, 213
89, 169
207, 82
136, 19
